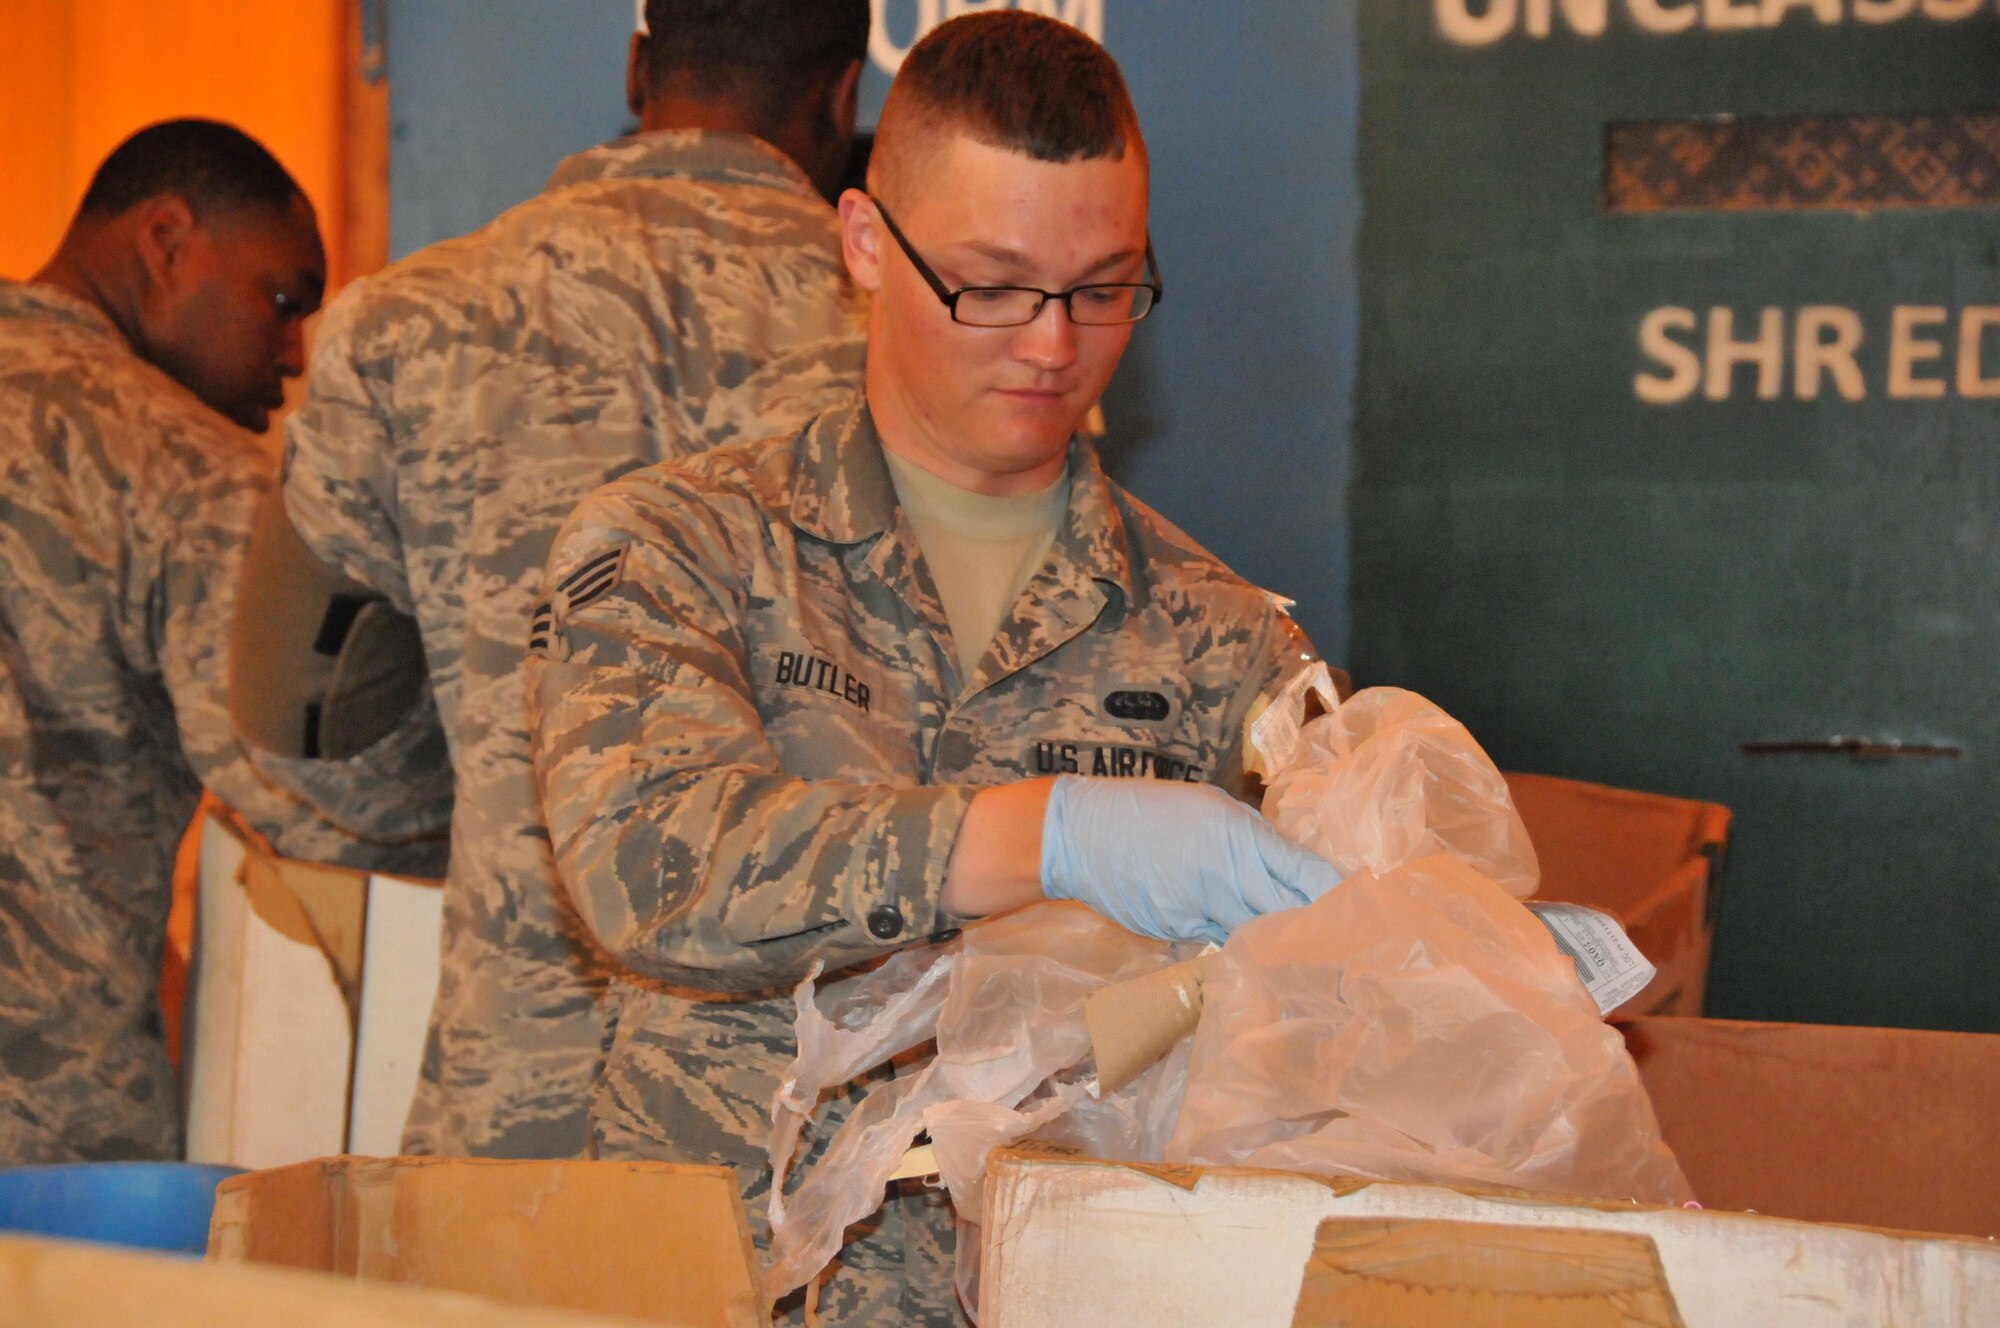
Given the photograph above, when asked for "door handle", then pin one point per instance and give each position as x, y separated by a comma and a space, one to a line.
1868, 748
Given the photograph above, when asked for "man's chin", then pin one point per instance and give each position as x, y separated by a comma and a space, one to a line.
254, 418
1039, 427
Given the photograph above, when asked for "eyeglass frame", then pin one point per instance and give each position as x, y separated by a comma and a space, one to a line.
949, 297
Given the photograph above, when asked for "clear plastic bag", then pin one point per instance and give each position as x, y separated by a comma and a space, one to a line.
1388, 778
1419, 1025
1416, 1023
1005, 1005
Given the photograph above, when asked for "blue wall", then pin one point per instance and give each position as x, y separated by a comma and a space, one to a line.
1231, 413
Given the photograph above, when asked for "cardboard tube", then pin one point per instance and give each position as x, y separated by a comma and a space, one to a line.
1134, 1023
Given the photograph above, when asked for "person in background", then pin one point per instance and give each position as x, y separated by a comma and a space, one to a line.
676, 290
805, 704
131, 367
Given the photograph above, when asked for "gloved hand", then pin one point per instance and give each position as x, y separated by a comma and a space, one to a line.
1180, 862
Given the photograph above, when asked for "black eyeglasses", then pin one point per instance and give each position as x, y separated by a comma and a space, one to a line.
1102, 304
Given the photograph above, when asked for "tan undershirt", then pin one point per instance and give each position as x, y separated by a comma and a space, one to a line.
981, 550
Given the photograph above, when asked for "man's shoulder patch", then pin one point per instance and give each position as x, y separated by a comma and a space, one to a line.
597, 577
594, 579
541, 627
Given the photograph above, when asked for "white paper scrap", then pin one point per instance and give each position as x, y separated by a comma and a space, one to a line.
918, 1162
1612, 969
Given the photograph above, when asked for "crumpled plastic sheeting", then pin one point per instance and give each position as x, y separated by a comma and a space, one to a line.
1389, 778
1415, 1023
1005, 1004
1419, 1026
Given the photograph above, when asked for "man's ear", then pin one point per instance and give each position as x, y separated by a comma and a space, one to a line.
843, 102
638, 74
162, 226
861, 239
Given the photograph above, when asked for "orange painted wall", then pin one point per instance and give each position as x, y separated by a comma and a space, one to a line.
79, 75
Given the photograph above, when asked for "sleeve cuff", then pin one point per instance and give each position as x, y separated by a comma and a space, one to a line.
898, 904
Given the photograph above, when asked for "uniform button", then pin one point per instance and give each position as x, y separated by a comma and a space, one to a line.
885, 923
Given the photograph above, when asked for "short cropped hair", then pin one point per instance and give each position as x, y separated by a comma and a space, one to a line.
712, 47
1010, 79
207, 164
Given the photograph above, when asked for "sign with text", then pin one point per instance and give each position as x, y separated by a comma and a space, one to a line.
1485, 22
1678, 446
897, 25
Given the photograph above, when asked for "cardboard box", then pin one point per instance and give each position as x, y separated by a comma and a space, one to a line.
1652, 862
1071, 1241
1886, 1127
311, 989
62, 1284
646, 1240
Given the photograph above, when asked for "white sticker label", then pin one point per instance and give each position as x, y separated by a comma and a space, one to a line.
1612, 969
1274, 735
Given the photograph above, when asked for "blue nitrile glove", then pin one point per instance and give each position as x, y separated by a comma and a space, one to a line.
1180, 862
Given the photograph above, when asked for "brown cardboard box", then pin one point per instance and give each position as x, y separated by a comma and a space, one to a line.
63, 1284
645, 1240
1885, 1127
1070, 1240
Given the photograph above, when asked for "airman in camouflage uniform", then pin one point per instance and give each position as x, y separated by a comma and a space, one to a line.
758, 744
125, 511
755, 749
668, 293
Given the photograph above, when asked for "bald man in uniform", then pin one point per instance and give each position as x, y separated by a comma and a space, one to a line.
132, 368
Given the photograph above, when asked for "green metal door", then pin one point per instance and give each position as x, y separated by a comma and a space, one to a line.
1678, 446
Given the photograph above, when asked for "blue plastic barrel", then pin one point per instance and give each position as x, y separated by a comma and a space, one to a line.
145, 1205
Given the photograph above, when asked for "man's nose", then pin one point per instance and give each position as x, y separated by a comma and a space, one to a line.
1049, 341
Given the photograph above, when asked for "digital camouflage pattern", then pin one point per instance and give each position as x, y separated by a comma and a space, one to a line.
665, 294
755, 752
125, 514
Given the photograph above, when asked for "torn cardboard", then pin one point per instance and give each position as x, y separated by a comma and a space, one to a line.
313, 904
61, 1284
271, 1034
1389, 1273
646, 1240
1069, 1241
310, 991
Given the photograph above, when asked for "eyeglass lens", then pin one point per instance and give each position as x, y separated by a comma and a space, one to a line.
1009, 306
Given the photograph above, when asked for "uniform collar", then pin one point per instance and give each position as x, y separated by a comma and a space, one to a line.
844, 495
28, 299
685, 154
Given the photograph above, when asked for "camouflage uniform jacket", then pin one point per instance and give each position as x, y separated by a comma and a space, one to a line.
665, 294
755, 749
125, 512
